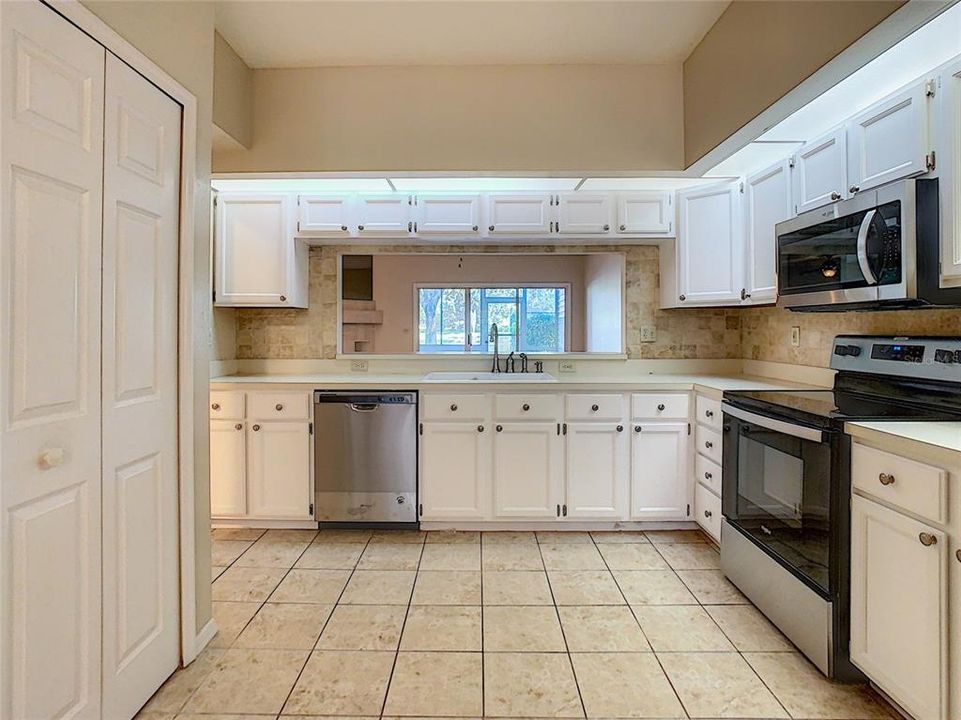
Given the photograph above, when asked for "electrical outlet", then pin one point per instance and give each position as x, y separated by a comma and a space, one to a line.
648, 333
358, 366
566, 366
795, 336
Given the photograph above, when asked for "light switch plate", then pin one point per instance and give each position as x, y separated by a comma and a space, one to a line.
795, 336
566, 366
648, 333
358, 366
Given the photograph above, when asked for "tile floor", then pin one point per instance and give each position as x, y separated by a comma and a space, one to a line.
354, 623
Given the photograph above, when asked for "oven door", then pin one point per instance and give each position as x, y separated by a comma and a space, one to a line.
777, 491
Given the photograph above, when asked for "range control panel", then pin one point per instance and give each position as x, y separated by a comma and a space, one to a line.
932, 358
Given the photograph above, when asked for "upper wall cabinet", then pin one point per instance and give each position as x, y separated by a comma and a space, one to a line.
949, 162
889, 140
583, 213
646, 213
510, 214
767, 201
384, 215
820, 172
447, 214
710, 242
258, 261
324, 215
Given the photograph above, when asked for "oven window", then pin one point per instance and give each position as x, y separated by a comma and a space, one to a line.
784, 497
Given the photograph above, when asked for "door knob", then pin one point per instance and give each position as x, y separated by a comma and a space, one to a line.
927, 539
50, 458
239, 426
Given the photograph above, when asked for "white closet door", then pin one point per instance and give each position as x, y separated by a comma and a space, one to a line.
140, 525
51, 144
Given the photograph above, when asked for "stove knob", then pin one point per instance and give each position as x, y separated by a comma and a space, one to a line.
852, 350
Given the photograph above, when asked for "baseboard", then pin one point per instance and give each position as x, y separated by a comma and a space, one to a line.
553, 525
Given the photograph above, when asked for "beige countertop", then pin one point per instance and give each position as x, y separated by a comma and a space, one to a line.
945, 435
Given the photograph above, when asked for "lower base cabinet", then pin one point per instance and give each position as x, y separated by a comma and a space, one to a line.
228, 468
455, 470
597, 470
528, 470
707, 511
660, 478
278, 470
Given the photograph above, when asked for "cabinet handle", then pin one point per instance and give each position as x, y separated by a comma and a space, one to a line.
958, 555
637, 428
283, 298
708, 476
853, 189
215, 406
491, 228
927, 539
835, 196
499, 428
256, 428
360, 227
558, 511
526, 407
480, 428
682, 298
708, 513
622, 228
343, 228
278, 407
474, 228
660, 407
709, 413
564, 510
239, 426
453, 407
606, 228
410, 225
595, 408
886, 479
708, 444
620, 428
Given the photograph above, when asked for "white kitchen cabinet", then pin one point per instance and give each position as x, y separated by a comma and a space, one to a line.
648, 213
820, 171
513, 214
767, 201
278, 470
899, 607
707, 511
387, 215
889, 140
324, 215
949, 162
258, 262
660, 479
528, 470
597, 471
583, 213
455, 476
710, 244
447, 214
228, 468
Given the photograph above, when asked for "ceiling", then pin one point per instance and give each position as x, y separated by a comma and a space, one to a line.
312, 33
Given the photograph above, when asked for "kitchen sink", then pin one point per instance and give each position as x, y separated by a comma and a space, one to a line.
488, 377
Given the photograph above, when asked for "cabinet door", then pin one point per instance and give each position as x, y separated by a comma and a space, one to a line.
820, 172
448, 214
710, 245
324, 215
899, 607
455, 471
949, 160
278, 470
527, 470
767, 196
645, 213
888, 141
228, 468
583, 213
707, 511
660, 480
598, 457
509, 214
384, 215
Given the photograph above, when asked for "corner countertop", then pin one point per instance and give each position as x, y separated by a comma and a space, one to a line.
946, 435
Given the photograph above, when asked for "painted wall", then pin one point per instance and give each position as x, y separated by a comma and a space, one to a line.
757, 52
179, 37
233, 93
602, 298
559, 117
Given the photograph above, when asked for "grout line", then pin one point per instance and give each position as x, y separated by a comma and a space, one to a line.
480, 542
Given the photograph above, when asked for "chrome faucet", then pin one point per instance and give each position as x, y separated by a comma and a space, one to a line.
494, 337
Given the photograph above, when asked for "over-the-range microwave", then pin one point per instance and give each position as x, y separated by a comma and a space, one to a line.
878, 250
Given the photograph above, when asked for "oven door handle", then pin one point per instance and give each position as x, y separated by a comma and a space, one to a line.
863, 248
798, 431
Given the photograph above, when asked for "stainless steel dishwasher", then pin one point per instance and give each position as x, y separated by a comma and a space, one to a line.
365, 456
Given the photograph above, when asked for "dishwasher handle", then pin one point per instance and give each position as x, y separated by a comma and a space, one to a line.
363, 407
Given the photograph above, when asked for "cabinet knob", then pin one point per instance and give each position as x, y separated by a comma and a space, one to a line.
360, 227
480, 428
682, 298
958, 555
927, 539
595, 408
256, 428
526, 407
620, 428
453, 407
886, 479
343, 228
708, 513
283, 298
835, 196
708, 476
708, 444
660, 407
745, 294
709, 413
853, 189
215, 406
474, 228
278, 407
499, 428
622, 227
606, 228
637, 428
239, 426
491, 228
50, 458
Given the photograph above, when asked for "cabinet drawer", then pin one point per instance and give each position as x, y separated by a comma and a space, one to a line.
595, 407
708, 473
455, 406
709, 412
914, 486
279, 405
709, 443
653, 406
707, 511
226, 405
527, 407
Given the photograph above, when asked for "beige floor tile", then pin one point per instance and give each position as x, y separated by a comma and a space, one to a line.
379, 587
517, 587
585, 587
446, 587
661, 537
454, 536
681, 628
561, 537
511, 556
573, 556
216, 571
806, 693
391, 556
536, 685
152, 715
219, 716
343, 535
174, 693
507, 537
710, 587
719, 685
432, 684
632, 556
290, 535
285, 626
461, 556
342, 683
363, 627
412, 537
271, 554
619, 536
248, 681
244, 584
328, 556
231, 619
690, 556
748, 629
522, 629
224, 552
311, 586
602, 628
442, 627
625, 685
248, 534
653, 587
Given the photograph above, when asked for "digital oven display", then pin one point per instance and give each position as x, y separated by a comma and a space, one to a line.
898, 353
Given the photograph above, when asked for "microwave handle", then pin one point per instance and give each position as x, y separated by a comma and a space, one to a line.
863, 247
798, 431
